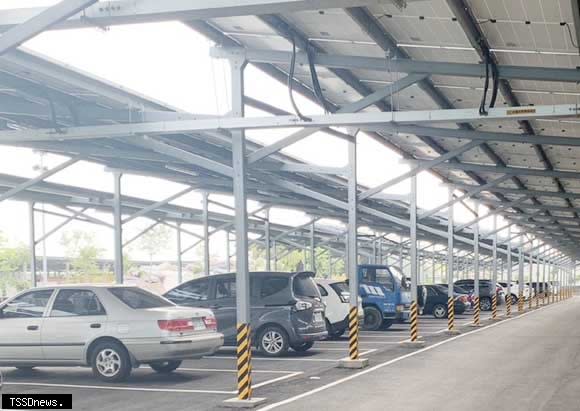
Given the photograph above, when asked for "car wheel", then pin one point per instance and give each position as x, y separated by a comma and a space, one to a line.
165, 367
514, 299
333, 333
485, 304
386, 324
302, 347
373, 319
110, 362
273, 341
440, 311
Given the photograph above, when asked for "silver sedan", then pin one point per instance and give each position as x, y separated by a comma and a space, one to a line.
109, 328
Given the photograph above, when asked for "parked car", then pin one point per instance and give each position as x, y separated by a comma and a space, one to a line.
287, 309
436, 301
486, 291
336, 296
514, 291
109, 328
386, 296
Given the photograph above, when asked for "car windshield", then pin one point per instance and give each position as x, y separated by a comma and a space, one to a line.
304, 286
137, 298
401, 279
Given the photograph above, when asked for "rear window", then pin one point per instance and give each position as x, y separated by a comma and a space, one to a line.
340, 288
304, 286
273, 285
137, 298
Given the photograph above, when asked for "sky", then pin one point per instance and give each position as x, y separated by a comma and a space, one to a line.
171, 63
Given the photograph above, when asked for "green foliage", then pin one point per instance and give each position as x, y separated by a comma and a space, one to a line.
82, 250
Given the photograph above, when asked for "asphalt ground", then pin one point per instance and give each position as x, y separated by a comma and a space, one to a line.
204, 384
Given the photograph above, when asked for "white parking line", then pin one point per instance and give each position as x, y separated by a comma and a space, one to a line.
116, 388
275, 380
297, 359
234, 371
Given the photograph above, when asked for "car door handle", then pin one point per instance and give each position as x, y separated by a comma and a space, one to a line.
32, 328
96, 325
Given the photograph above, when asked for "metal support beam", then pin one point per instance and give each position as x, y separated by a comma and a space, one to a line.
468, 194
118, 229
206, 257
21, 187
179, 254
450, 276
42, 21
32, 244
424, 166
268, 244
363, 120
403, 65
138, 235
500, 207
112, 13
348, 108
414, 258
155, 206
312, 247
476, 311
239, 165
60, 225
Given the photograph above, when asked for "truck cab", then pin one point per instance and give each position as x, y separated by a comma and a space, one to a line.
385, 294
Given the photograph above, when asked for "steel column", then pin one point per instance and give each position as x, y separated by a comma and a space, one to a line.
239, 163
32, 244
509, 273
414, 256
268, 243
476, 311
521, 263
205, 206
450, 279
312, 248
352, 251
179, 256
494, 270
118, 228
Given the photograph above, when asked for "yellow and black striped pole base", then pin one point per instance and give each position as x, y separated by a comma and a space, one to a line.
537, 300
414, 321
530, 299
244, 351
353, 333
476, 312
494, 306
450, 314
508, 305
520, 302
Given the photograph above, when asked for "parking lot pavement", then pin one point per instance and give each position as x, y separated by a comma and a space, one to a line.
208, 381
542, 374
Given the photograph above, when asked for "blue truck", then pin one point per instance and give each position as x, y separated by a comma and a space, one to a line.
385, 294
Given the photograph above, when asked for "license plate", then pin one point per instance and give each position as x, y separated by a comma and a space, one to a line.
198, 324
318, 318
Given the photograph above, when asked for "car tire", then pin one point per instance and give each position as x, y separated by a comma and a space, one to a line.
333, 333
165, 367
440, 311
302, 347
273, 341
485, 304
514, 299
110, 361
386, 324
25, 368
373, 319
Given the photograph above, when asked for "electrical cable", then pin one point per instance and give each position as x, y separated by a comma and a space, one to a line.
291, 83
316, 83
482, 110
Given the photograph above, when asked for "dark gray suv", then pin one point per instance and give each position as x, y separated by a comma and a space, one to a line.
287, 310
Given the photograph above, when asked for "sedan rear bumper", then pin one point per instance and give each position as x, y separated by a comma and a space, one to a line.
160, 349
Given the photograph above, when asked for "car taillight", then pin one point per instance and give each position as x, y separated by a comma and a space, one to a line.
302, 305
210, 323
463, 299
176, 325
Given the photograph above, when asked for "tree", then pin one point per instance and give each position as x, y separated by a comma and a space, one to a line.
155, 241
82, 250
